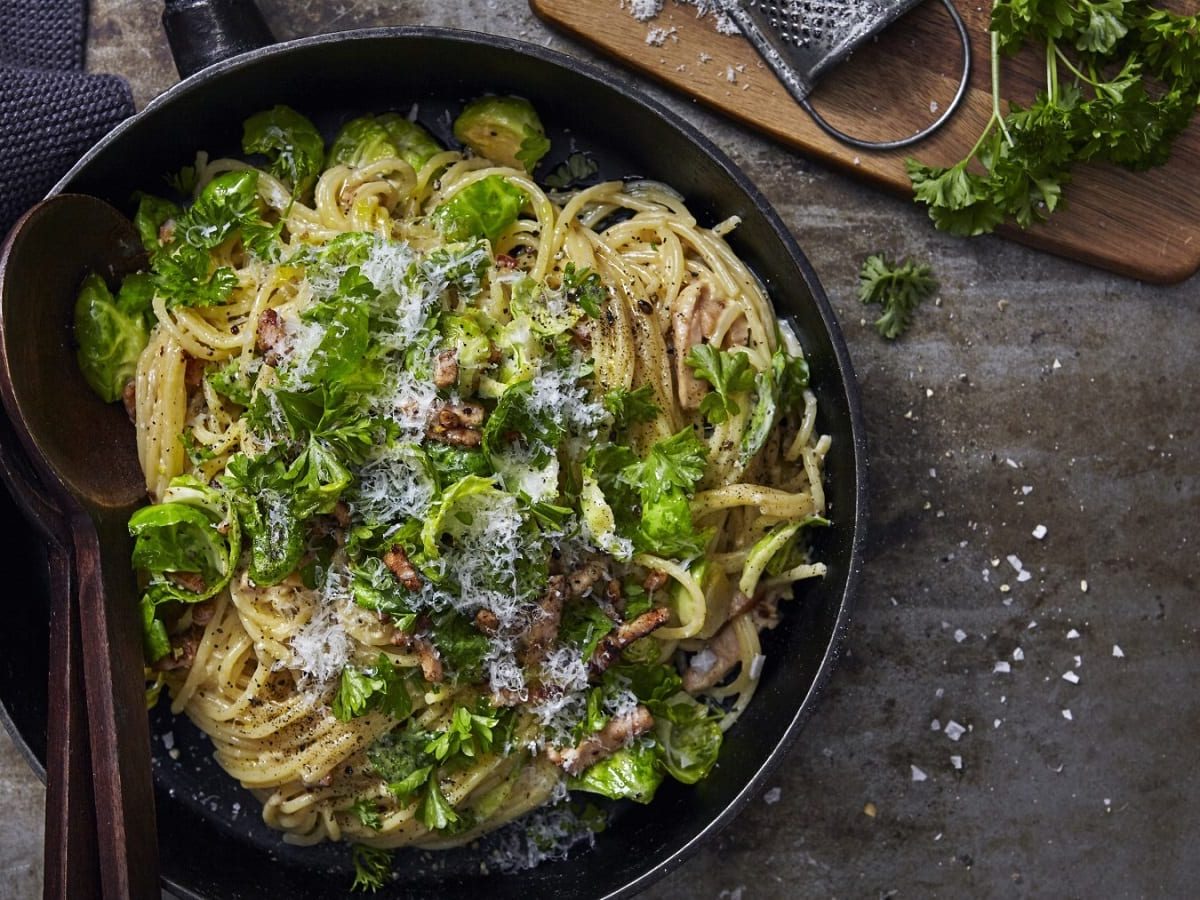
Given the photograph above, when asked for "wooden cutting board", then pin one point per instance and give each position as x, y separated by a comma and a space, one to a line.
1145, 225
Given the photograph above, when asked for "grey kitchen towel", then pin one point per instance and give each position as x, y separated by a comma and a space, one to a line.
50, 110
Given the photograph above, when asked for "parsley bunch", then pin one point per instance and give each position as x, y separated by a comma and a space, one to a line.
1122, 81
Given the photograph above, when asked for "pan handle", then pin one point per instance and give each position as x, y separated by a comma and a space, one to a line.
204, 32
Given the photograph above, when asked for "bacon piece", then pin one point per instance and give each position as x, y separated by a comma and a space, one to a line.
619, 731
713, 663
445, 368
129, 399
457, 425
487, 622
655, 580
431, 660
397, 562
585, 577
183, 652
189, 581
202, 613
270, 336
544, 629
193, 371
623, 635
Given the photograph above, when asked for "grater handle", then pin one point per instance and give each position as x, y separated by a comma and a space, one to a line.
925, 132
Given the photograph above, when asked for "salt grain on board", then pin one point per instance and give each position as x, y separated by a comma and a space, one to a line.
772, 796
1072, 634
953, 730
959, 635
1071, 677
1118, 652
918, 775
956, 761
1018, 654
1039, 532
1066, 714
1002, 668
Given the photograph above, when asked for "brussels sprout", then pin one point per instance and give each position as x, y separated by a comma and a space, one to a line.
504, 129
152, 212
550, 312
372, 138
688, 738
111, 333
632, 773
473, 350
482, 209
290, 141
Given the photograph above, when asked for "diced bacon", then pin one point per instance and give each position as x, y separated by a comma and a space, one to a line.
397, 562
619, 731
623, 635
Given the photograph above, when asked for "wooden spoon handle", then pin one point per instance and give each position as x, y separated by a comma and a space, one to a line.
118, 725
72, 862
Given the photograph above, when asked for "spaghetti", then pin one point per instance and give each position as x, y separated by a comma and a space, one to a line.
464, 490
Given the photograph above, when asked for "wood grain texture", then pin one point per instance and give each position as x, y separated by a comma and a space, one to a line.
1144, 225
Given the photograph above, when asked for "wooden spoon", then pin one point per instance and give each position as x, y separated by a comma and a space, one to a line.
85, 453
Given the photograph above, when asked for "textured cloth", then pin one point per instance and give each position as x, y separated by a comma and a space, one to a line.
50, 111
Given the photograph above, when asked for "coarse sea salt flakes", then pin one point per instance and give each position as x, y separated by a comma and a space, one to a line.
935, 725
1072, 634
1066, 714
772, 796
1018, 654
959, 635
953, 730
1071, 677
1015, 562
1024, 575
1118, 652
1083, 585
1039, 532
1002, 667
956, 761
917, 774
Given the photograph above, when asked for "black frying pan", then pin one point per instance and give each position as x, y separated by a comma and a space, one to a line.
212, 840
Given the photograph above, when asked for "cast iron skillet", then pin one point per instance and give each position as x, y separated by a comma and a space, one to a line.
212, 840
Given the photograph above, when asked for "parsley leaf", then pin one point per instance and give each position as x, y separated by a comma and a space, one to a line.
469, 734
631, 407
899, 289
372, 866
577, 168
729, 373
367, 813
584, 287
380, 688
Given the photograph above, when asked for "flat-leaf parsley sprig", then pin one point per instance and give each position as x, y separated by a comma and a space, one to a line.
1122, 81
899, 289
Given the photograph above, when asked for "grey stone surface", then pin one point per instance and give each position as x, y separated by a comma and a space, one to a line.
1036, 392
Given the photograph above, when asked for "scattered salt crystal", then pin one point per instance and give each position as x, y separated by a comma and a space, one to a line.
656, 37
870, 809
956, 761
1018, 654
168, 740
995, 723
938, 836
1032, 625
1004, 589
918, 775
173, 753
1012, 463
935, 725
995, 562
940, 693
1072, 634
704, 57
959, 635
1002, 667
1024, 575
1066, 714
1039, 532
1027, 489
953, 730
1118, 652
730, 75
1078, 661
1083, 585
1057, 365
1071, 677
933, 106
772, 796
933, 473
644, 10
1015, 562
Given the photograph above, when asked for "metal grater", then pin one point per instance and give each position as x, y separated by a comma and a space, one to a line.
802, 39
